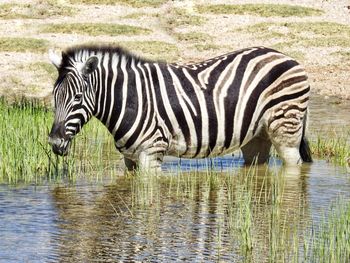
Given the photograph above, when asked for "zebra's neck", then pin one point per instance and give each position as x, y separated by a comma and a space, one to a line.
121, 94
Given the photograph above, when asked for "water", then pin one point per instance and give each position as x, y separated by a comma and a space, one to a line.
133, 219
181, 217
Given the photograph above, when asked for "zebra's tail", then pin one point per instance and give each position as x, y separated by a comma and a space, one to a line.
304, 148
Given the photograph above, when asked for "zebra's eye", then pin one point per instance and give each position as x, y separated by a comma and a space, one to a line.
78, 97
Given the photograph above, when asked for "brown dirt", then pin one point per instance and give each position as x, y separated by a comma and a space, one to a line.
329, 74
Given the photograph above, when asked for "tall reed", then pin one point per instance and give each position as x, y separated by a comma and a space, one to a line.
26, 156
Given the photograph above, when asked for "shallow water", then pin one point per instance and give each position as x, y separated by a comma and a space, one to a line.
174, 217
147, 219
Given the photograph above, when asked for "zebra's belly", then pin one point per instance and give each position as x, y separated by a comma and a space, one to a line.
179, 148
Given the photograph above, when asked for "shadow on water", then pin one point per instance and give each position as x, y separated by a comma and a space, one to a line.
202, 215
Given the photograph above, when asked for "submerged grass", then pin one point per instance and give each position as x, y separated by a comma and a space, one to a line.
95, 29
251, 205
265, 10
330, 242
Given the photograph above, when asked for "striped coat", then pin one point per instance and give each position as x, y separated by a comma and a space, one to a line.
248, 99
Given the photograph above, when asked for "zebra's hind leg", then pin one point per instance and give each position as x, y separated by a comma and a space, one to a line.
290, 155
257, 150
286, 135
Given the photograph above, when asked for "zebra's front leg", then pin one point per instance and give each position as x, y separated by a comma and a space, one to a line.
151, 159
151, 162
257, 150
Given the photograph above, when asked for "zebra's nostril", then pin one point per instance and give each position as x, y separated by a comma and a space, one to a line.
59, 146
55, 141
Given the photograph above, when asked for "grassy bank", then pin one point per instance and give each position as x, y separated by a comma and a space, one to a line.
25, 155
333, 147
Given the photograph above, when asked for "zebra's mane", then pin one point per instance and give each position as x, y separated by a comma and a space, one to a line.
71, 53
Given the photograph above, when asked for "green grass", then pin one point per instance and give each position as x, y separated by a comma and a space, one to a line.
334, 147
17, 44
132, 3
264, 10
262, 222
24, 129
330, 242
95, 29
320, 28
38, 10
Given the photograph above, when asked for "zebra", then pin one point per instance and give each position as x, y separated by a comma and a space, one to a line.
248, 99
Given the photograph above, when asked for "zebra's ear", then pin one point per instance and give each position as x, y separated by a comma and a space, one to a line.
90, 65
55, 59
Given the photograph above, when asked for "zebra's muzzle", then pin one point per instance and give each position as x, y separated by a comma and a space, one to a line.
59, 146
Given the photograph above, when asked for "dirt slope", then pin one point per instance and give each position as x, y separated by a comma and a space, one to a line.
180, 32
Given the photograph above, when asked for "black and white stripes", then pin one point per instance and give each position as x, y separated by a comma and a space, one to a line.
244, 99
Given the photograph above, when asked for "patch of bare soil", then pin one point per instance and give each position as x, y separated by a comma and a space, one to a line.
329, 71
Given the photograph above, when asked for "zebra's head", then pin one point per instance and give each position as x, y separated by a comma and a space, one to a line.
74, 98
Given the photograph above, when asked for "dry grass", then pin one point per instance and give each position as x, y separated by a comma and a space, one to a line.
133, 3
314, 34
153, 49
17, 44
265, 10
178, 17
38, 10
95, 29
